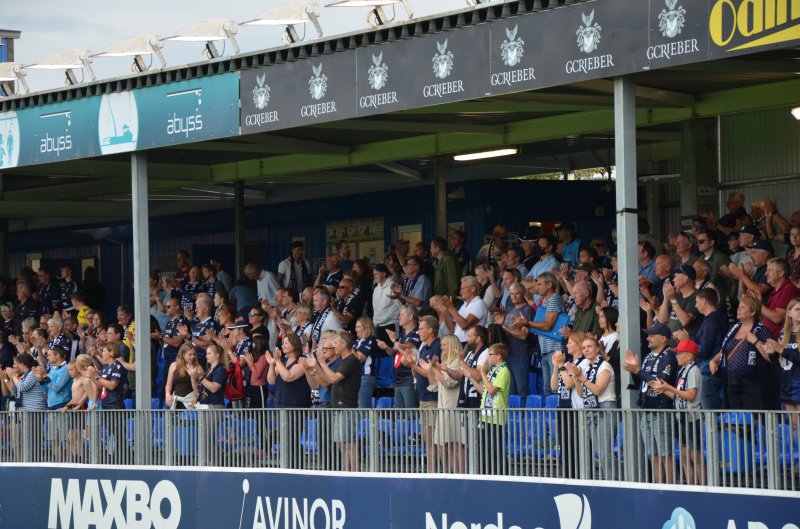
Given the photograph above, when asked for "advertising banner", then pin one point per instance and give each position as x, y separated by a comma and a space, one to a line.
161, 498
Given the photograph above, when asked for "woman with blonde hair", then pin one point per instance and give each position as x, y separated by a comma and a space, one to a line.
447, 434
181, 388
787, 351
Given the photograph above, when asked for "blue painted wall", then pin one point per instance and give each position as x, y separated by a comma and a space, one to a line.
512, 203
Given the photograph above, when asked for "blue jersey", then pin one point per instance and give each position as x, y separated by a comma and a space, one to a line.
170, 331
661, 365
199, 328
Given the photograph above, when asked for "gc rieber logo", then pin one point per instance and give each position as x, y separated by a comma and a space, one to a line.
442, 62
128, 505
317, 87
261, 95
377, 77
671, 22
588, 39
512, 50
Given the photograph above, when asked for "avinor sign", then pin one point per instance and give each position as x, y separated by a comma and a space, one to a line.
60, 497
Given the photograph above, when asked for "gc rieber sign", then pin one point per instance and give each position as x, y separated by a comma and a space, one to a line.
751, 19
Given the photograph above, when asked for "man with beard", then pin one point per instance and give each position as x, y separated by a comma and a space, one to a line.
475, 354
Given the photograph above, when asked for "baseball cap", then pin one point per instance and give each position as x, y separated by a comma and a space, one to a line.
240, 323
763, 245
532, 234
659, 329
752, 230
687, 270
687, 346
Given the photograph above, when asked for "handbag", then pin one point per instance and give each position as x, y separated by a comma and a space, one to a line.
562, 320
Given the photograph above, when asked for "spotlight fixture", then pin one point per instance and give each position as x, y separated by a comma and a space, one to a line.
288, 15
11, 72
68, 61
473, 3
376, 17
136, 47
796, 113
466, 157
208, 32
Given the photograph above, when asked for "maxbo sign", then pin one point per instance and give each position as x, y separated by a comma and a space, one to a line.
171, 498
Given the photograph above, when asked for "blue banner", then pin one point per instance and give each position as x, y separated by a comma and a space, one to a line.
119, 498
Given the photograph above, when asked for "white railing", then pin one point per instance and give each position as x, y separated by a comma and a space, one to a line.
733, 449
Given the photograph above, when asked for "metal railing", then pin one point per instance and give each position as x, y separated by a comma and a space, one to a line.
722, 448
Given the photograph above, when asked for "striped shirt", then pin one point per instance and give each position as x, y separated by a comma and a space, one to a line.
32, 393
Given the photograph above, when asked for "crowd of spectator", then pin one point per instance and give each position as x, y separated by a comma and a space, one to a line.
720, 315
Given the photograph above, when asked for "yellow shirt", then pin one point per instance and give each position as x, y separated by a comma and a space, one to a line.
129, 330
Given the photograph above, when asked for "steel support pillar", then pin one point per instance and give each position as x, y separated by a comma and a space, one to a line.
141, 279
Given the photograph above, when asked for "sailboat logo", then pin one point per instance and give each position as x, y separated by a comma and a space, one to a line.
118, 123
9, 140
574, 511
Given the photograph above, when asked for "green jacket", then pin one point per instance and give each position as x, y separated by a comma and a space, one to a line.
447, 279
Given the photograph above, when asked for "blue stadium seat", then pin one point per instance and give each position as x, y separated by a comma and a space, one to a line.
514, 401
155, 403
128, 404
385, 372
385, 403
533, 401
533, 383
551, 401
407, 438
308, 438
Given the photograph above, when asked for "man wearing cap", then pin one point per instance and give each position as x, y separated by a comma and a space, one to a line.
294, 271
659, 364
448, 273
707, 244
680, 312
492, 254
241, 341
530, 247
566, 235
753, 275
385, 308
686, 396
773, 313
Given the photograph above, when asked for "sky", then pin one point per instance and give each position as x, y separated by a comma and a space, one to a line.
51, 26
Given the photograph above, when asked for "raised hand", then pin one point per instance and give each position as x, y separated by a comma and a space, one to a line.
631, 362
558, 359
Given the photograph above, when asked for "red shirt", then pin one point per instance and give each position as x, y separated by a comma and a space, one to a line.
779, 298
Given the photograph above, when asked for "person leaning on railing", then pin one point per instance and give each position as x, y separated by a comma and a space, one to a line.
26, 390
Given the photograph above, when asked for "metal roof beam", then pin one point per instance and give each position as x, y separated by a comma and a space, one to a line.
773, 95
402, 170
84, 190
286, 144
658, 95
497, 107
103, 168
415, 126
37, 208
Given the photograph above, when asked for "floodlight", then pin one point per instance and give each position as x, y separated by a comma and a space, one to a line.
508, 151
376, 17
136, 47
68, 61
288, 15
10, 72
796, 113
208, 32
473, 3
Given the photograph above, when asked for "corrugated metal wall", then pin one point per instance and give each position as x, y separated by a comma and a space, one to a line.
763, 144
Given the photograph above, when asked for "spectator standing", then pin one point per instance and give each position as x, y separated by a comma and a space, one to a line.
295, 271
447, 434
785, 353
448, 272
495, 385
519, 339
420, 364
658, 364
491, 254
367, 350
566, 236
472, 312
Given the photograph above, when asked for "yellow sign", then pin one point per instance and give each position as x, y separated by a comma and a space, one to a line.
780, 19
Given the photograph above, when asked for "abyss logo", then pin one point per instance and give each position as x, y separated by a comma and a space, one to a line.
128, 505
758, 22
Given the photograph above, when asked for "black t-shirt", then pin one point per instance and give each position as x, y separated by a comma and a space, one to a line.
345, 393
113, 398
403, 376
220, 376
